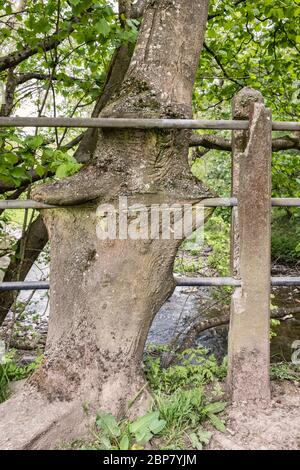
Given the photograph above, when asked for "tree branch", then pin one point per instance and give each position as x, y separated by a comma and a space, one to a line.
25, 77
188, 337
214, 55
286, 142
13, 196
215, 142
16, 57
32, 178
210, 141
117, 70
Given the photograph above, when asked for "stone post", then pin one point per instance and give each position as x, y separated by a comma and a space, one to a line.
241, 105
249, 347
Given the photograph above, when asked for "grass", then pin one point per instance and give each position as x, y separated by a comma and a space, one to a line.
10, 371
181, 394
285, 371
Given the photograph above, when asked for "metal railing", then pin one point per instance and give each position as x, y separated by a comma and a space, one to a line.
209, 202
121, 123
128, 123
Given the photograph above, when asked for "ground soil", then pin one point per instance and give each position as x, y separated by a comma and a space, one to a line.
257, 426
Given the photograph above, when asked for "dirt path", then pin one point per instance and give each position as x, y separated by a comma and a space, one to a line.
258, 427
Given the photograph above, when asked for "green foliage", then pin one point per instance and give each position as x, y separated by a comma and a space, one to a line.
63, 164
286, 236
180, 396
255, 45
22, 156
72, 75
286, 174
215, 171
194, 370
183, 264
285, 371
126, 435
273, 324
217, 236
187, 397
144, 428
10, 371
199, 438
186, 409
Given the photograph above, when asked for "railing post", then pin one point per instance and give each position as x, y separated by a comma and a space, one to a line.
249, 348
241, 105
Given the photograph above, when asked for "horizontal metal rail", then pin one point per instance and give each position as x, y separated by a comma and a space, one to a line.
286, 202
35, 285
209, 202
180, 282
208, 281
231, 282
27, 204
119, 123
122, 123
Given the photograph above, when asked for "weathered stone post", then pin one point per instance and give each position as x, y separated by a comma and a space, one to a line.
241, 105
249, 354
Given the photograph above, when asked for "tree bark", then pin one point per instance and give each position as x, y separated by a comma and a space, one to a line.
105, 294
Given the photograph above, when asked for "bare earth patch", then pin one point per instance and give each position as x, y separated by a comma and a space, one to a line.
260, 427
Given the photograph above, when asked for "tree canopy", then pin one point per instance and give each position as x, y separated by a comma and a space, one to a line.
55, 58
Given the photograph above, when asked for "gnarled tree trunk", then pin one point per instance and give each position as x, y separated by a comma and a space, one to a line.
105, 294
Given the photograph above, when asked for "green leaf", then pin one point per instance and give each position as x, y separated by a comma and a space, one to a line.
216, 407
18, 172
124, 443
195, 441
217, 423
143, 437
40, 170
102, 27
149, 421
145, 427
67, 169
107, 423
105, 443
62, 170
42, 26
34, 142
204, 436
11, 158
157, 426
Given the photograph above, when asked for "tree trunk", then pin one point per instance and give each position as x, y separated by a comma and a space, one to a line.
105, 294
